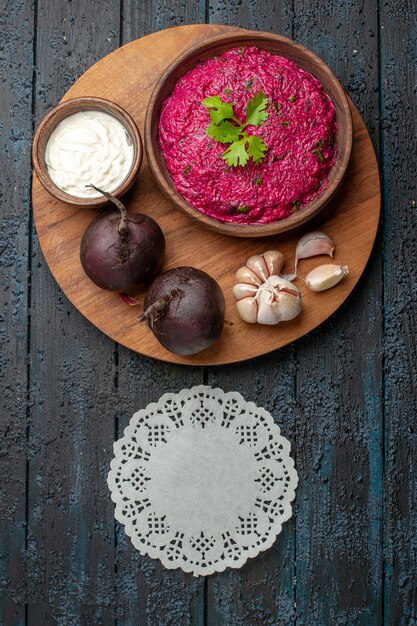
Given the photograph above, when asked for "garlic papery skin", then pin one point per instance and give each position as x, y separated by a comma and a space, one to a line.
257, 264
259, 267
313, 244
272, 301
274, 261
288, 298
248, 310
243, 290
326, 276
268, 308
245, 275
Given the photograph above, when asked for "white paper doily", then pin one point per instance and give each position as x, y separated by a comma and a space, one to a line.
202, 480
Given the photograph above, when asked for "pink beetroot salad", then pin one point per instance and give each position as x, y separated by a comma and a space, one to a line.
299, 134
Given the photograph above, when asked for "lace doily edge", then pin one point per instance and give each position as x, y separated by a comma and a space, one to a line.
220, 566
133, 422
156, 554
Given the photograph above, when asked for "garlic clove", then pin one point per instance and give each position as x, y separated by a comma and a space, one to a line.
283, 284
274, 261
263, 297
243, 290
289, 305
257, 264
245, 275
248, 310
326, 276
280, 281
288, 297
269, 311
313, 244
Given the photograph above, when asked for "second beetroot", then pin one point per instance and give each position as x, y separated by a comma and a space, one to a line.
184, 308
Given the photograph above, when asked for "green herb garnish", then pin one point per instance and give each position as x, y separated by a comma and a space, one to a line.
239, 152
258, 182
187, 169
278, 107
243, 209
226, 128
292, 98
256, 112
227, 91
318, 152
218, 110
295, 206
285, 123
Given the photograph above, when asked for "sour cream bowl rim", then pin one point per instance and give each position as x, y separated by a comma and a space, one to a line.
275, 44
66, 109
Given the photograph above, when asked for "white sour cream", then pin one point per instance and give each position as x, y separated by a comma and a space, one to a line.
89, 147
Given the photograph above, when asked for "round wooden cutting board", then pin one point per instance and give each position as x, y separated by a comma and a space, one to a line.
127, 76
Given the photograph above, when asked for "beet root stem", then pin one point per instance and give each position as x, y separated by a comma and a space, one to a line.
123, 227
157, 310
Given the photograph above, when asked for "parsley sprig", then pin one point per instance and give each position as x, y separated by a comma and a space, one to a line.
226, 128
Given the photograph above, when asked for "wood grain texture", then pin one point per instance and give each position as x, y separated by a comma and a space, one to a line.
16, 69
339, 385
70, 550
263, 592
332, 392
352, 215
329, 587
148, 594
398, 27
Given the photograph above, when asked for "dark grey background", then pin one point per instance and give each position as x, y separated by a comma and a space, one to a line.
343, 395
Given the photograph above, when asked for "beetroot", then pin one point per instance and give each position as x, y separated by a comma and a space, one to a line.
122, 251
184, 308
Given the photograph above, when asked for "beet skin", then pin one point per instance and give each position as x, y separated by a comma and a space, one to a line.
122, 263
189, 310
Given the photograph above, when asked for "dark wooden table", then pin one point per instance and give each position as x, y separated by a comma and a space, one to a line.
343, 395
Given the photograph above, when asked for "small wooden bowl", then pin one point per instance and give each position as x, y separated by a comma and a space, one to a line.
51, 121
275, 44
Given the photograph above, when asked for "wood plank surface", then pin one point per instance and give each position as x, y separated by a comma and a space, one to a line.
344, 395
16, 73
146, 592
263, 591
339, 382
398, 26
70, 519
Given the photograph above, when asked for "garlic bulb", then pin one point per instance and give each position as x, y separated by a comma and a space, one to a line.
313, 244
326, 276
263, 296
